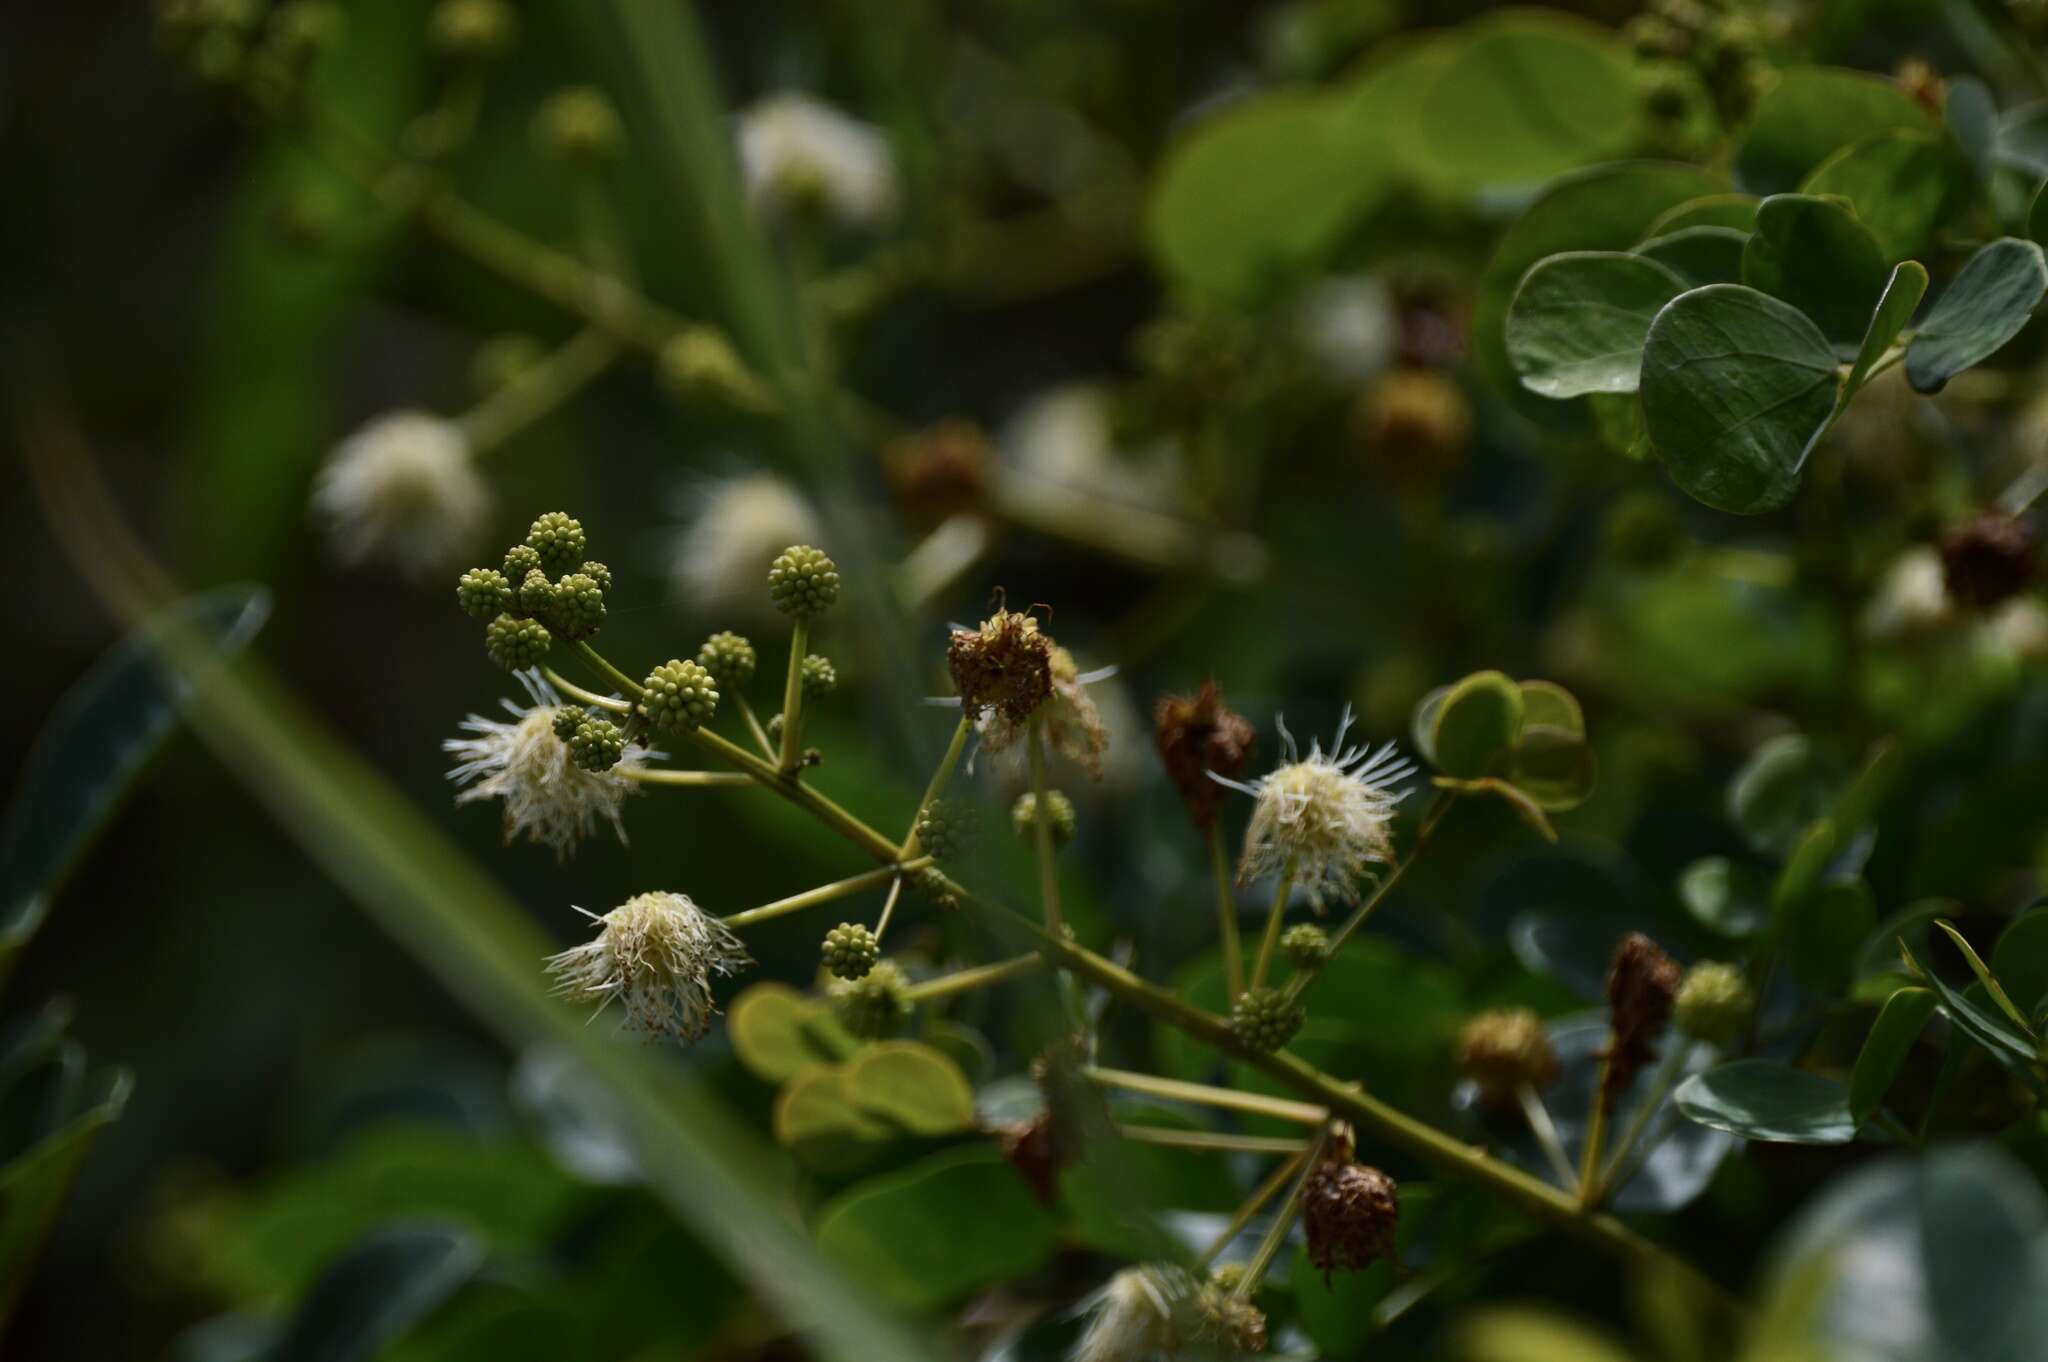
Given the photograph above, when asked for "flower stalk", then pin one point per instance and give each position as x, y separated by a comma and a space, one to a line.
825, 893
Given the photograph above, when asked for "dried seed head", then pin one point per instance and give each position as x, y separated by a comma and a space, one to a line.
1714, 1003
940, 470
1351, 1214
1641, 984
1199, 736
1221, 1315
1003, 668
1500, 1051
1988, 559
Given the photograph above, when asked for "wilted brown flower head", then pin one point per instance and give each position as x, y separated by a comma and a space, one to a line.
1004, 667
1198, 734
1500, 1051
1035, 1150
1073, 725
939, 470
1988, 559
1641, 984
1350, 1213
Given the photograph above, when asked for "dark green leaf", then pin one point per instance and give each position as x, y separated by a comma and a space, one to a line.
1760, 1099
1981, 1023
1724, 897
1810, 114
2020, 960
1552, 706
1577, 323
1884, 1051
1908, 285
2023, 138
1735, 386
1980, 1235
1904, 185
392, 1279
1985, 306
1814, 254
914, 1088
1778, 793
2037, 216
778, 1032
1973, 121
1476, 724
1985, 980
1554, 767
1699, 255
35, 1185
1734, 211
1822, 929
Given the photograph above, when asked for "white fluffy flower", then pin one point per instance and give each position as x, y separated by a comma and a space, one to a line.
719, 558
793, 148
548, 798
1134, 1318
1326, 815
1347, 323
1065, 436
1912, 596
654, 955
403, 488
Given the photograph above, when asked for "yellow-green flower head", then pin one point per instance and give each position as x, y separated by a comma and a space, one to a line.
1714, 1003
1326, 815
1136, 1316
654, 955
548, 798
404, 490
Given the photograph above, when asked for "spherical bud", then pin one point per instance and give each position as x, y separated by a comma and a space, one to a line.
1198, 738
1988, 559
596, 743
876, 1005
471, 28
851, 951
536, 593
1641, 983
1502, 1051
1265, 1018
1005, 666
817, 677
516, 644
1225, 1317
520, 559
558, 539
578, 609
1059, 814
566, 720
941, 470
1714, 1003
483, 593
597, 572
729, 658
947, 828
578, 124
803, 582
1350, 1214
679, 697
700, 364
1306, 946
931, 882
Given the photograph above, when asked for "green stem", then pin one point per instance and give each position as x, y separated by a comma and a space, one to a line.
1255, 1203
595, 660
941, 777
1667, 1075
539, 389
1226, 912
1041, 830
1425, 832
1230, 1099
888, 908
967, 980
824, 893
1220, 1140
1596, 1135
1283, 1220
1273, 921
754, 727
1545, 1131
582, 696
793, 696
657, 776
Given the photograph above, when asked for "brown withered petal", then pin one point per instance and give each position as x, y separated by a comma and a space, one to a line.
1988, 559
1351, 1213
1036, 1151
1641, 984
939, 470
1005, 666
1198, 735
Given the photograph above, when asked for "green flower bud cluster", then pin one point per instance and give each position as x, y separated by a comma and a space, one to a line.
595, 744
1714, 1003
516, 644
851, 951
1306, 946
229, 42
729, 658
804, 582
817, 677
931, 882
578, 125
947, 828
1059, 814
875, 1006
524, 609
471, 28
680, 697
700, 364
1265, 1018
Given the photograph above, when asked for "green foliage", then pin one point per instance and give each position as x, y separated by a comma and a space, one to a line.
1759, 1099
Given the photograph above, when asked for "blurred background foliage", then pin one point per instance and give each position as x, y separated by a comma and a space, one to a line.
1231, 270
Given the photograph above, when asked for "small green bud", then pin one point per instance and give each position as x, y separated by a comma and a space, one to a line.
1504, 1050
558, 539
578, 125
536, 593
520, 559
483, 593
1059, 813
502, 359
851, 950
931, 882
471, 28
947, 828
578, 609
817, 677
1264, 1019
680, 697
1306, 946
1714, 1003
803, 582
699, 364
875, 1006
566, 720
599, 573
515, 643
597, 744
729, 658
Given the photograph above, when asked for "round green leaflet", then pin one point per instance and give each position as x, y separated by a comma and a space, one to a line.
1810, 114
1986, 305
1578, 321
1761, 1099
1736, 385
1699, 255
1814, 254
1904, 183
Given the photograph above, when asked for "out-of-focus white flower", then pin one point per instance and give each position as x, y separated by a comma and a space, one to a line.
1913, 595
1064, 436
718, 559
1326, 816
654, 955
796, 149
1347, 323
403, 488
2021, 628
548, 798
1134, 1317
